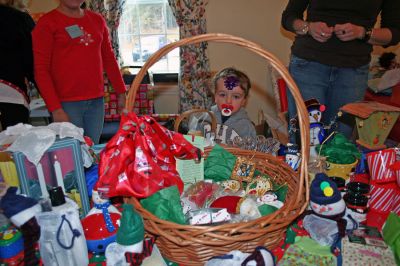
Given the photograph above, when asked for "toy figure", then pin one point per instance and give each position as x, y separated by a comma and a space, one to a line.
328, 213
100, 204
130, 238
292, 156
101, 224
317, 132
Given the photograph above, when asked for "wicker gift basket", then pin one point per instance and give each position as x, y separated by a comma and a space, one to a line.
193, 245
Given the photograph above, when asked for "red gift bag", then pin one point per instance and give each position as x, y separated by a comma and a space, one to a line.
379, 163
140, 159
382, 196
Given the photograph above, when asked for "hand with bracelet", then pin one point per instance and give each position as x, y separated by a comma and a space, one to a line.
320, 31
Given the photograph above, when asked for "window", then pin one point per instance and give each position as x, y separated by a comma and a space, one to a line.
145, 27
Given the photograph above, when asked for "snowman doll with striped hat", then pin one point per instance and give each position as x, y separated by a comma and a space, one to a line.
317, 131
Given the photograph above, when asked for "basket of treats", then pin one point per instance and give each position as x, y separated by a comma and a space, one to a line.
252, 196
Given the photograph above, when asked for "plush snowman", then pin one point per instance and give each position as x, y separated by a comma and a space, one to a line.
325, 198
317, 132
130, 238
326, 203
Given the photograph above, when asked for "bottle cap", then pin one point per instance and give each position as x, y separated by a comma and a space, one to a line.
57, 197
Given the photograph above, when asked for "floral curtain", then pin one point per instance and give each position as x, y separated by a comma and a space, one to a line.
194, 78
111, 10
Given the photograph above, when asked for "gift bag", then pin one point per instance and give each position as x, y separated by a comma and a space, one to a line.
379, 163
140, 159
62, 241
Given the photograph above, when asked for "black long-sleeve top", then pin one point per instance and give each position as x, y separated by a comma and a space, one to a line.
335, 52
16, 56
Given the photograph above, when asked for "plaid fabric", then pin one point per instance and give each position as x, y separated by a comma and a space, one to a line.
136, 259
31, 233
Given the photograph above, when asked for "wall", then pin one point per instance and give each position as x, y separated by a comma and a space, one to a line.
38, 6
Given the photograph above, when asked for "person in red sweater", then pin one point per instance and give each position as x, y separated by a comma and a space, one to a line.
71, 48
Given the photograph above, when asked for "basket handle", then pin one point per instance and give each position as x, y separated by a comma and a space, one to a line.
188, 113
275, 63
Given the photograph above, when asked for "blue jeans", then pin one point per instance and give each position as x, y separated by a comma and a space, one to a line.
331, 86
87, 114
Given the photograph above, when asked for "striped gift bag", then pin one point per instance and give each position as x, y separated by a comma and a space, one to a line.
396, 169
382, 196
379, 163
396, 203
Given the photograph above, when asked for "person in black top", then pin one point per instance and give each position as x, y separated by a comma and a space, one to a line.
332, 49
16, 60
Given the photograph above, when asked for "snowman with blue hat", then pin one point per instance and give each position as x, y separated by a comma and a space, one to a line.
327, 221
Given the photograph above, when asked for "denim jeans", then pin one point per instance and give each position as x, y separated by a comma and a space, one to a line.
331, 86
87, 114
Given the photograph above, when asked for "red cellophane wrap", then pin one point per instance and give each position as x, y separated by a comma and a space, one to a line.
140, 159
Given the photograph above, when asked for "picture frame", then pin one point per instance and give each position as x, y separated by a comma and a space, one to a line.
243, 170
61, 165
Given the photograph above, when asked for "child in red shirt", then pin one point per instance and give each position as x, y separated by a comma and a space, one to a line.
71, 48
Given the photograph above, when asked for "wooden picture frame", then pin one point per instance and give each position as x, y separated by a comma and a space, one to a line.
61, 165
243, 170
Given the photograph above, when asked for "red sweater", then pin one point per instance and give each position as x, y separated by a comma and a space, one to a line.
71, 68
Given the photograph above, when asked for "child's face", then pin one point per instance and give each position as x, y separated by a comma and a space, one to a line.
226, 98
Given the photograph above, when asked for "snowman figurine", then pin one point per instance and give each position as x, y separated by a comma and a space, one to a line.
100, 204
317, 132
101, 224
292, 156
130, 238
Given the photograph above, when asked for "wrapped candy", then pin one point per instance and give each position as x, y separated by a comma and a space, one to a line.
200, 192
208, 216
